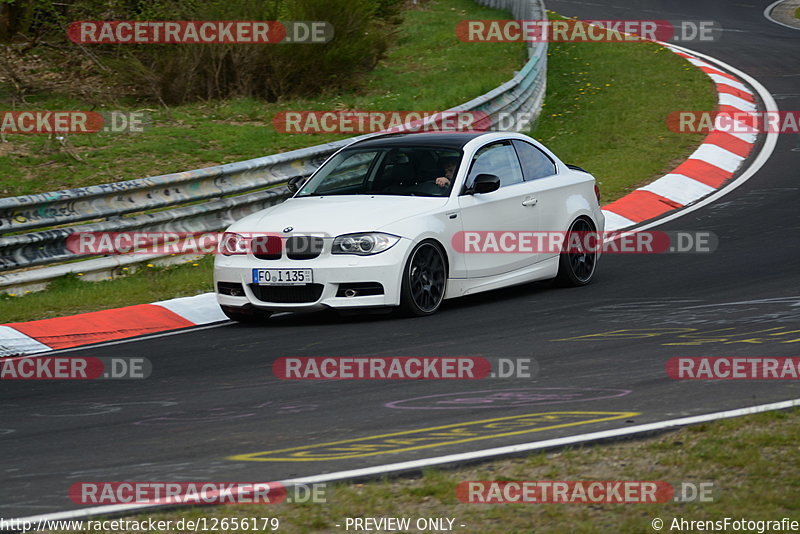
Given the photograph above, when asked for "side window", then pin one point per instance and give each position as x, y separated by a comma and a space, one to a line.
535, 163
396, 170
498, 159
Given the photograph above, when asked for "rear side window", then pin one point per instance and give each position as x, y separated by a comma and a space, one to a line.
535, 163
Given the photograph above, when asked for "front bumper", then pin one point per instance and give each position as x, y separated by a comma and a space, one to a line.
330, 271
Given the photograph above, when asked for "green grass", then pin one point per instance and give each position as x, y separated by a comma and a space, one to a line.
753, 462
606, 109
427, 69
614, 127
797, 13
70, 295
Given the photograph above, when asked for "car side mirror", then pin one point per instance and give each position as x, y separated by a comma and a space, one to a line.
294, 183
485, 183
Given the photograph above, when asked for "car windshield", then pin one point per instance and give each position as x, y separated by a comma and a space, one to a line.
415, 171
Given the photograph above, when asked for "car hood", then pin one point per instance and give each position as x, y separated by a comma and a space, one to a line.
336, 215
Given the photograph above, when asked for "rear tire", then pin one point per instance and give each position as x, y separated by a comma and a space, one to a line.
424, 280
576, 268
246, 315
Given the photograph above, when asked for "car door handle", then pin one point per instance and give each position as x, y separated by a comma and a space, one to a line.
530, 201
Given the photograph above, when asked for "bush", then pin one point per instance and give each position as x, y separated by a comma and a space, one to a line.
176, 74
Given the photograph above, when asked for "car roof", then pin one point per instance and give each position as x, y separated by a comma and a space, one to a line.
438, 139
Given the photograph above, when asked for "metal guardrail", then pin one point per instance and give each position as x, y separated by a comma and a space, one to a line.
231, 191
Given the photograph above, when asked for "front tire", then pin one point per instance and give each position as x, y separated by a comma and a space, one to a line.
576, 267
424, 280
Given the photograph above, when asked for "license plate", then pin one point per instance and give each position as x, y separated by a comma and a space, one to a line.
282, 277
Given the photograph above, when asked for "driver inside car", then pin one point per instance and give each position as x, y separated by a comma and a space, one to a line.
449, 165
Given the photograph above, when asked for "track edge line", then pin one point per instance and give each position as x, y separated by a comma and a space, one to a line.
415, 465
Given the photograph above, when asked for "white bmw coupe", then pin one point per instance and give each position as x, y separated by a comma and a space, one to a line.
387, 221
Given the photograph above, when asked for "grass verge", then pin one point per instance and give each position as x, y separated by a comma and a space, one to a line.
70, 295
427, 69
605, 111
753, 463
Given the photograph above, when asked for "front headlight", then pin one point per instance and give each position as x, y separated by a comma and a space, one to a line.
363, 244
232, 243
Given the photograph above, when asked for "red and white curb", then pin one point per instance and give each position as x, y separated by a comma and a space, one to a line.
706, 170
17, 339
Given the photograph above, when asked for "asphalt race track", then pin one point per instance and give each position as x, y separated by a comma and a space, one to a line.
213, 395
